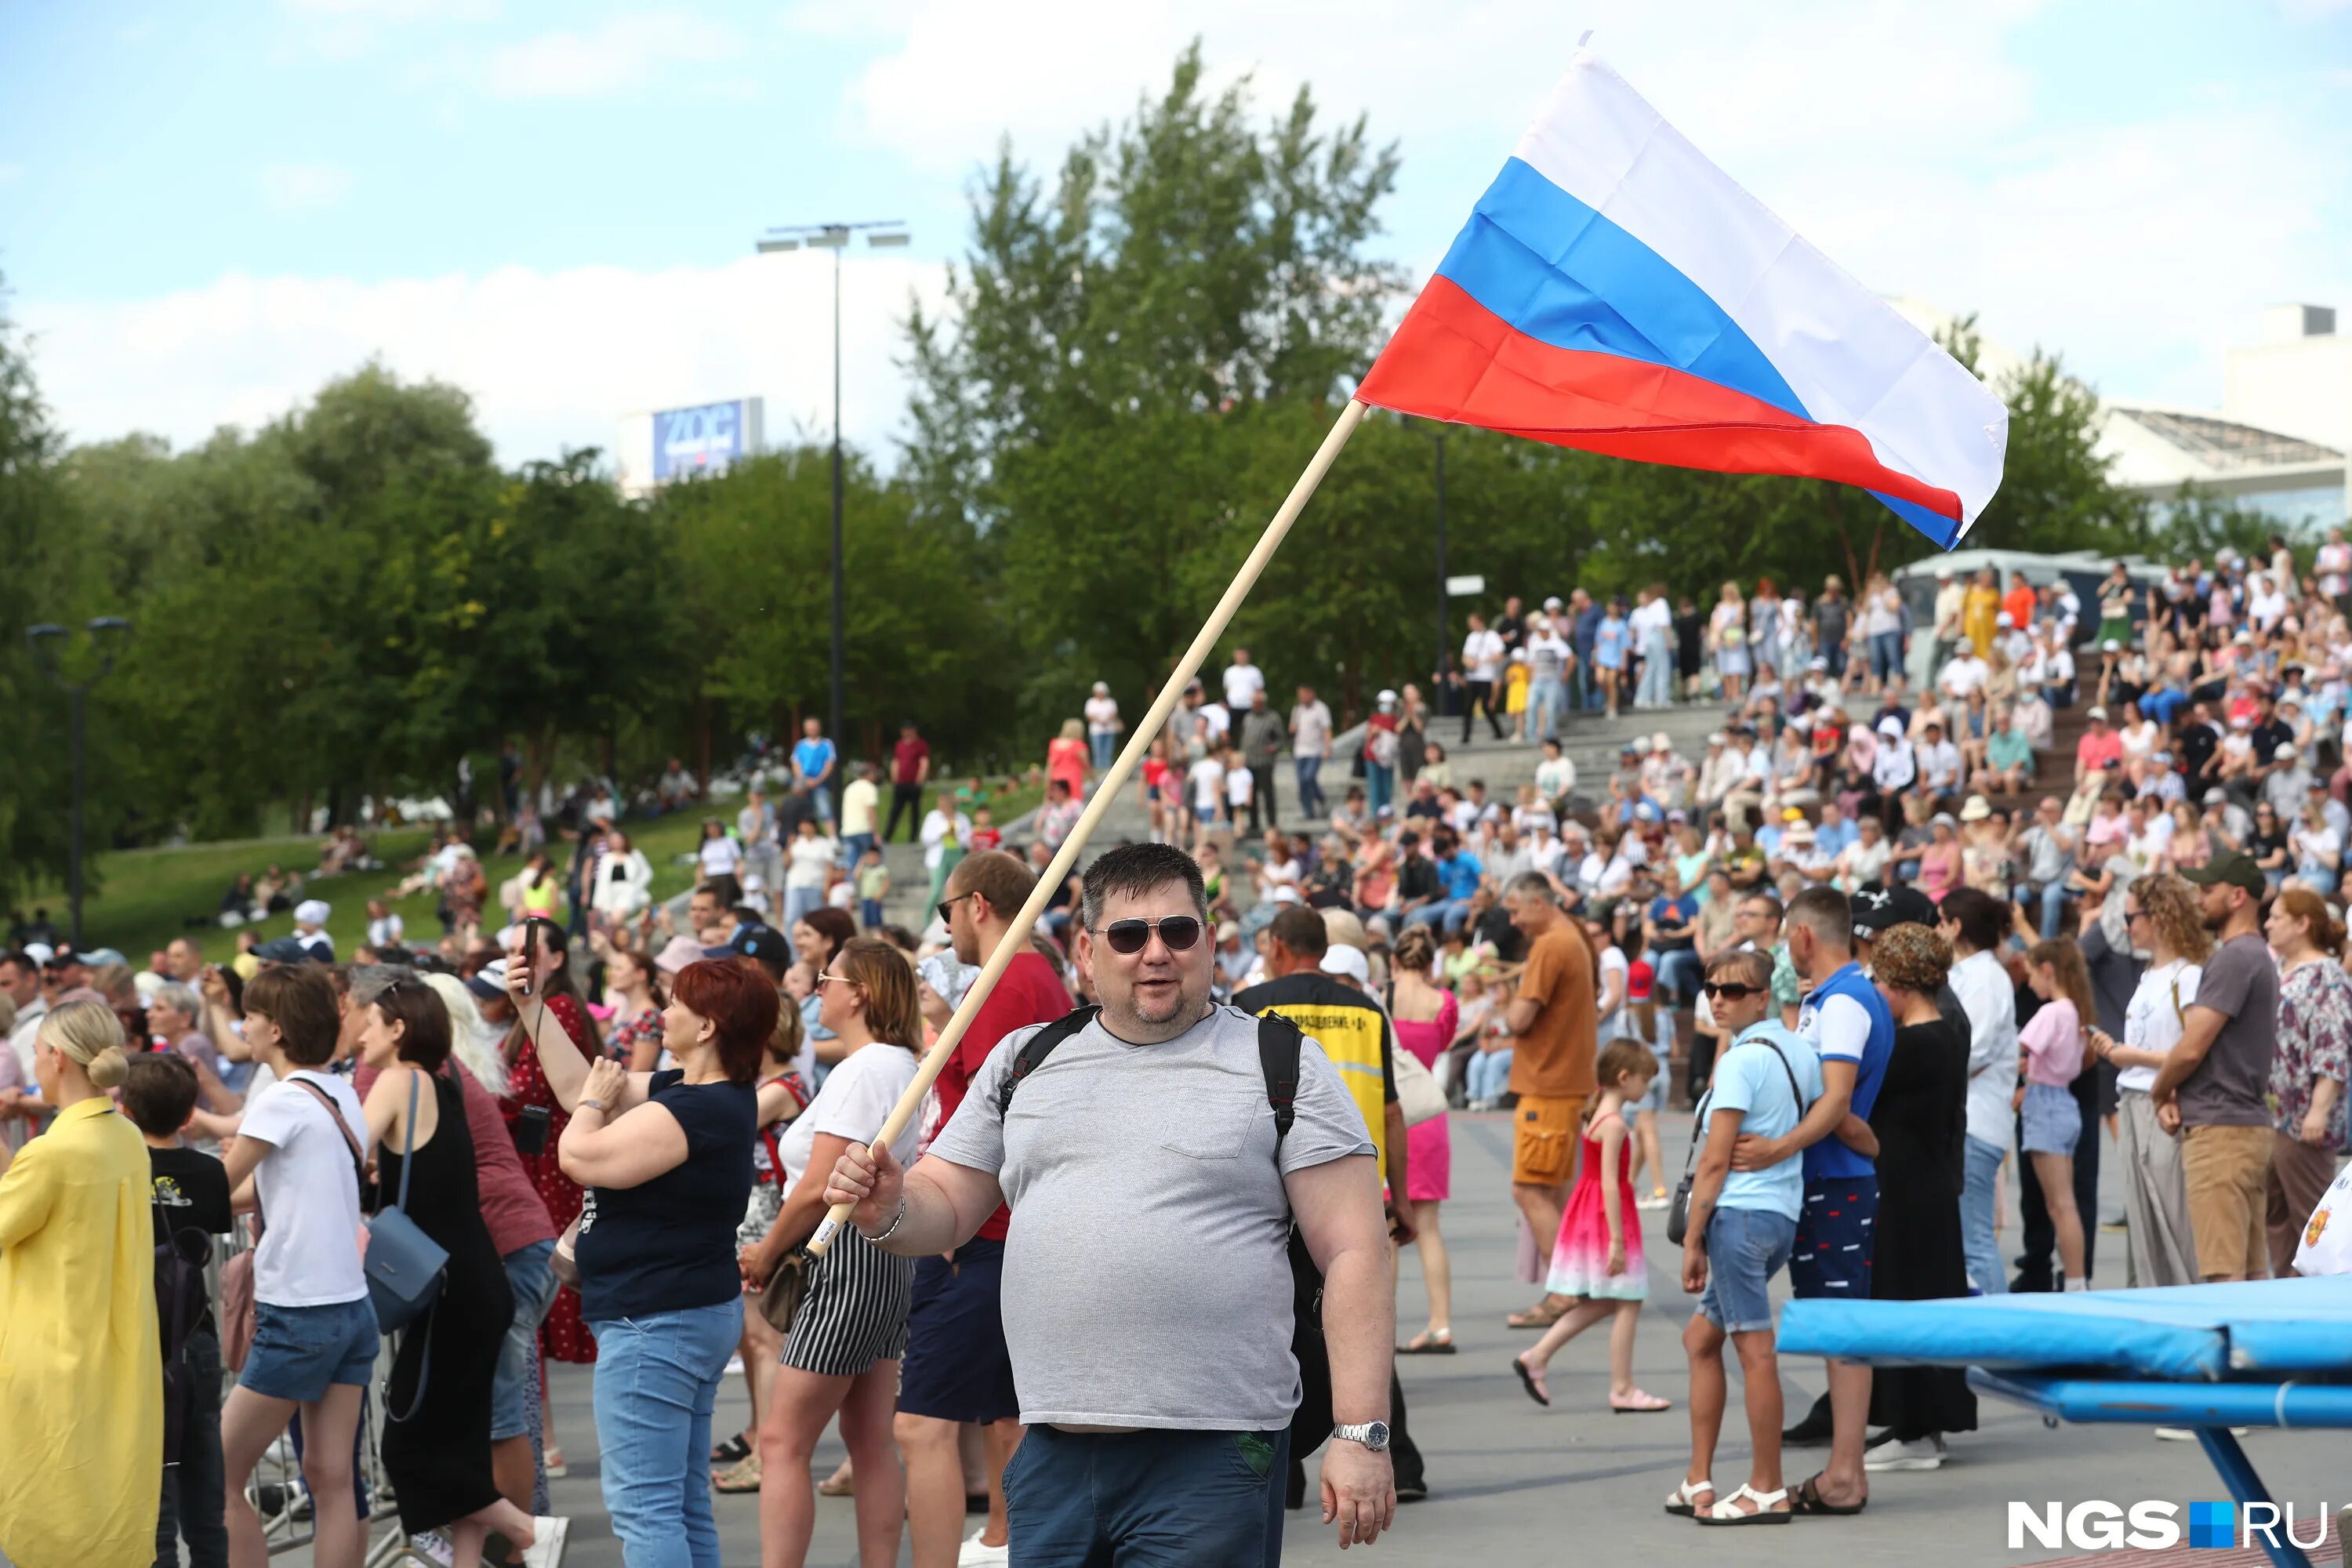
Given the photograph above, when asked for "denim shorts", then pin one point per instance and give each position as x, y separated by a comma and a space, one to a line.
531, 1275
2054, 1122
1745, 1248
298, 1352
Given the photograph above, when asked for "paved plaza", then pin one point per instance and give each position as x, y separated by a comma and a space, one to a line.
1513, 1483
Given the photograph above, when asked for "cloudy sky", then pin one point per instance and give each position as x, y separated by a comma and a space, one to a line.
207, 210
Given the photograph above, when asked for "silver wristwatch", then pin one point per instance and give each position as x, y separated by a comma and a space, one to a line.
1373, 1435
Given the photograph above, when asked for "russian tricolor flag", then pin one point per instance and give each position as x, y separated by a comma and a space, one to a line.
1616, 293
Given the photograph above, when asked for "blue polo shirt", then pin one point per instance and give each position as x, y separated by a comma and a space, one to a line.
1846, 1019
814, 756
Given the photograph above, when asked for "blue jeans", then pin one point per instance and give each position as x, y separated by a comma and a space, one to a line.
869, 913
1680, 970
799, 901
1446, 914
1379, 786
514, 1386
2053, 902
1657, 687
853, 847
1155, 1499
1105, 749
1545, 698
1311, 802
1978, 1240
656, 1379
1885, 654
1489, 1075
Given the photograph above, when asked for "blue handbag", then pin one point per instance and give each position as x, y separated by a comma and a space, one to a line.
404, 1266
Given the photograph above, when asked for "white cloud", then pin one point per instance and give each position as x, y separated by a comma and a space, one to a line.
1913, 150
620, 53
304, 188
551, 359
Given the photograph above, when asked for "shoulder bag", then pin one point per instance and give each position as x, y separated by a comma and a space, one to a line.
404, 1266
1678, 1214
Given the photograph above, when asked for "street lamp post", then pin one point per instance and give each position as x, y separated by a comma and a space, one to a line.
835, 237
46, 639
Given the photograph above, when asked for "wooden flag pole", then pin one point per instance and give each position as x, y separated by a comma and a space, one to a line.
1138, 741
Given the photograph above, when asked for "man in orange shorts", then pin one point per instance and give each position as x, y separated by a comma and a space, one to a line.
1554, 1029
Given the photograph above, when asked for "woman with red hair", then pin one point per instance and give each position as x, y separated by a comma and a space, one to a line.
665, 1160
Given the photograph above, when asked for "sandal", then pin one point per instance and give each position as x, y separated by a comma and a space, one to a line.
556, 1469
1682, 1501
1532, 1381
742, 1477
733, 1451
1429, 1341
1638, 1402
1809, 1499
1727, 1512
1533, 1317
841, 1483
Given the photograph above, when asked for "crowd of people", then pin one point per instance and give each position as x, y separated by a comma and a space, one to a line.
1897, 984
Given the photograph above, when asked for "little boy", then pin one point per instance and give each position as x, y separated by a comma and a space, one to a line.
985, 834
874, 886
191, 1195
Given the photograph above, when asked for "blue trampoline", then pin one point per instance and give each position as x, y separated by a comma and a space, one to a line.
2272, 1353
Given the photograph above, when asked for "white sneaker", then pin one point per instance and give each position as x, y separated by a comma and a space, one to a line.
975, 1555
547, 1545
432, 1547
1654, 1201
734, 1366
1925, 1454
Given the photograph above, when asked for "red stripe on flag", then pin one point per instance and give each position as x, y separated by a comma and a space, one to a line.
1454, 358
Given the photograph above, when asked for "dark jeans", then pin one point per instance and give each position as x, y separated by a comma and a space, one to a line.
1311, 802
1145, 1499
1262, 795
193, 1493
1475, 695
2037, 1264
908, 798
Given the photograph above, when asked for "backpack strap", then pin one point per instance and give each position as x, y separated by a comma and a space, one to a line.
1037, 1047
1279, 1043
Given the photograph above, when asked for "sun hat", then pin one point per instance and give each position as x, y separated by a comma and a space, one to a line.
1977, 809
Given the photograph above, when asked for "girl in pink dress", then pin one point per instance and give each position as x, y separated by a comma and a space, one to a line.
1426, 1019
1598, 1258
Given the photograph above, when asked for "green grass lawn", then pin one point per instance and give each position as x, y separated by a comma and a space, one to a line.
146, 897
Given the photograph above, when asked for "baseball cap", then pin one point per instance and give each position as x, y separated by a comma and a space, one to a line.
2236, 870
2098, 713
489, 983
676, 954
2285, 754
1342, 959
750, 941
282, 950
1877, 908
2004, 619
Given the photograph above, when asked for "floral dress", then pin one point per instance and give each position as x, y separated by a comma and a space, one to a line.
2314, 1040
563, 1336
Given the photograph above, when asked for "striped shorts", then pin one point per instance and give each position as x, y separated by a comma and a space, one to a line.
856, 1310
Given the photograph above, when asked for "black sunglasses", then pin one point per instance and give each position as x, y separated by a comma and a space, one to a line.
1179, 931
1730, 993
946, 907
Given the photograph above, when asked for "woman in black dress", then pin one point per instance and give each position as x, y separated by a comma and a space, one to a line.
436, 1437
1919, 1118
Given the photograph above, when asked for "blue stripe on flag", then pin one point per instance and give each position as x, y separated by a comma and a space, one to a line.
1559, 271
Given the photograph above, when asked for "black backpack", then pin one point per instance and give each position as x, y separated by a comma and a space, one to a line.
180, 1299
1278, 1043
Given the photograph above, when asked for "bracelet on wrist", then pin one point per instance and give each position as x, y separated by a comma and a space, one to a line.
582, 1105
889, 1230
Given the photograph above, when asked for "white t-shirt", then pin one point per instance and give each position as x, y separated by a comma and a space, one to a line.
1964, 675
718, 856
1242, 681
387, 931
2152, 1020
1482, 655
1208, 776
810, 860
1102, 715
309, 1252
1238, 785
2334, 564
856, 1098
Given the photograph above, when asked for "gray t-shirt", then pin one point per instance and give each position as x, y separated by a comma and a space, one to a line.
2227, 1089
1147, 1280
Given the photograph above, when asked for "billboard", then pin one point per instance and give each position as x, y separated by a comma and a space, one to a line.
680, 443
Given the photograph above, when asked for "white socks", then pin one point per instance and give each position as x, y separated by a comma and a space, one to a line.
2078, 1284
